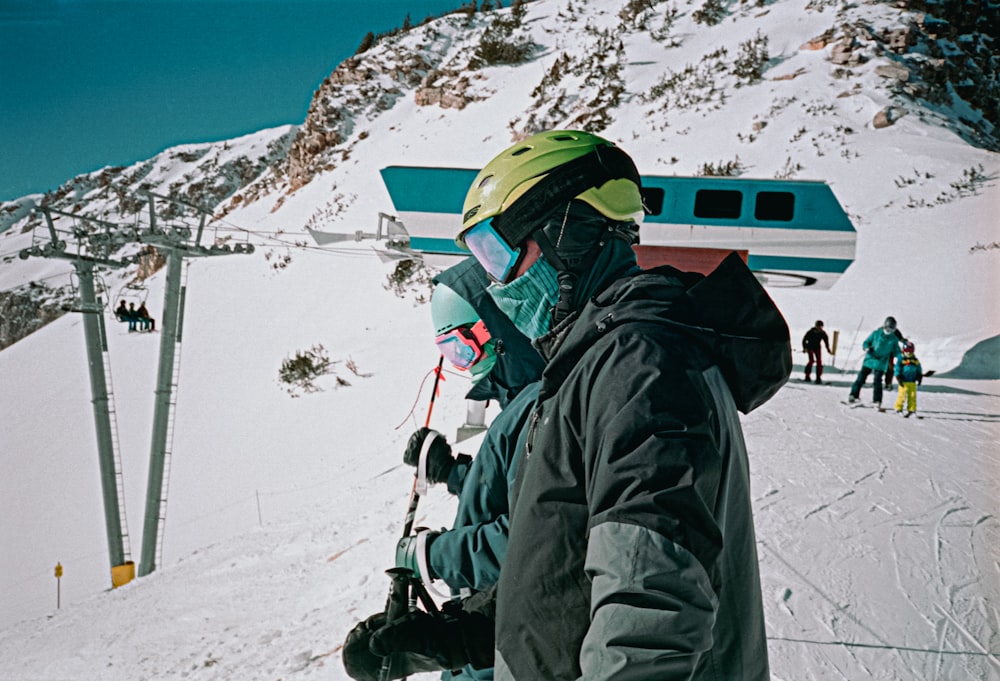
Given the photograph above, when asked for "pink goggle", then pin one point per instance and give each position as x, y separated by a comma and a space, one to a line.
463, 346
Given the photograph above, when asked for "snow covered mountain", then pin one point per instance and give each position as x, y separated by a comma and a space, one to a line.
788, 89
874, 542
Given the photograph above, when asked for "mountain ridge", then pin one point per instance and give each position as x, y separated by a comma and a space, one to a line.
676, 85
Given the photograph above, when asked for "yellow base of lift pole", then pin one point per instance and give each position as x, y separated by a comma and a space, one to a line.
122, 574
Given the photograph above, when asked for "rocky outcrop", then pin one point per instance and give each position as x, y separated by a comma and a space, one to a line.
26, 309
449, 89
887, 116
362, 85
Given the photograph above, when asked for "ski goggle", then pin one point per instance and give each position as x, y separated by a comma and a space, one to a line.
493, 252
463, 346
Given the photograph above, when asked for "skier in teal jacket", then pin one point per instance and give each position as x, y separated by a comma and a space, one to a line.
504, 367
469, 555
881, 345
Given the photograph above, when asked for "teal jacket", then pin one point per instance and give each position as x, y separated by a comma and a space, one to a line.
909, 370
879, 347
469, 555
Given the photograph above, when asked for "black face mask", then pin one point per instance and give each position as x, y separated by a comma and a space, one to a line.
572, 239
574, 229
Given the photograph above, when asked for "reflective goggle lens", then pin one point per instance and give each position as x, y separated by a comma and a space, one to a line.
455, 351
492, 252
464, 346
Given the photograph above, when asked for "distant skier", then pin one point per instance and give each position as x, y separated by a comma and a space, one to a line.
880, 346
910, 375
812, 344
146, 322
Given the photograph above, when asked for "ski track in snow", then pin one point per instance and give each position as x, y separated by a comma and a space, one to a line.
876, 541
851, 525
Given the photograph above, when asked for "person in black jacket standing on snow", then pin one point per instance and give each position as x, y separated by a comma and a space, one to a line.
631, 551
812, 345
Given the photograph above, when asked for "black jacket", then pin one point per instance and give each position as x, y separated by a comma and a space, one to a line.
636, 476
815, 339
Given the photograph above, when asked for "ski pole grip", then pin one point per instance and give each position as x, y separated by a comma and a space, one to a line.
425, 448
396, 606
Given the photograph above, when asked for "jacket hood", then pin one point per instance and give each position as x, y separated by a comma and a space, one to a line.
518, 364
727, 314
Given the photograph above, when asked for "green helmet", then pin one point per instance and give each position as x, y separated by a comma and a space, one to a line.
450, 310
473, 350
550, 169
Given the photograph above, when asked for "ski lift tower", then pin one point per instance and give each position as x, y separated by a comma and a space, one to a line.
177, 244
94, 249
96, 243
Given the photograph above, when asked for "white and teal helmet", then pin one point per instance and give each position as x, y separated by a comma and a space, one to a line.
460, 334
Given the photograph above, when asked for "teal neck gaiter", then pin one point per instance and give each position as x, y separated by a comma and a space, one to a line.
482, 368
528, 300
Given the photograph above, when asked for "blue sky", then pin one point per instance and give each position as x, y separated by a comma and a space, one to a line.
90, 83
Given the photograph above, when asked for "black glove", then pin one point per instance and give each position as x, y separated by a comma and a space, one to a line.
364, 665
453, 638
439, 458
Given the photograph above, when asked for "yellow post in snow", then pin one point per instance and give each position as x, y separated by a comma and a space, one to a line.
59, 573
122, 574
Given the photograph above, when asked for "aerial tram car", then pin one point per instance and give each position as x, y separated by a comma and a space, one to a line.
789, 232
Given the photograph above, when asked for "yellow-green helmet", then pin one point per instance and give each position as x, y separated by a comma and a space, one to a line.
548, 169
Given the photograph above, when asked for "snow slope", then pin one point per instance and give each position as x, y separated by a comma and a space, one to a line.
877, 534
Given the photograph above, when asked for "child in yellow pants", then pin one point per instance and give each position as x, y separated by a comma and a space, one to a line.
909, 375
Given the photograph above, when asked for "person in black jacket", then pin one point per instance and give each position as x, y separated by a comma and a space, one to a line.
124, 314
146, 322
812, 345
631, 550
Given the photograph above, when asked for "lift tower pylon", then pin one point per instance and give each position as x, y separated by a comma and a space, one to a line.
96, 243
177, 245
92, 307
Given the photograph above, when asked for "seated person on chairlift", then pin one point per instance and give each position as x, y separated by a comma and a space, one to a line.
146, 323
123, 314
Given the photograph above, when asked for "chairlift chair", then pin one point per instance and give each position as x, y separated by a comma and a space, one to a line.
130, 292
76, 304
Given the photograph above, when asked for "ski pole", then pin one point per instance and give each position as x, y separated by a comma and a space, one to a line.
434, 391
395, 608
415, 491
853, 340
399, 598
